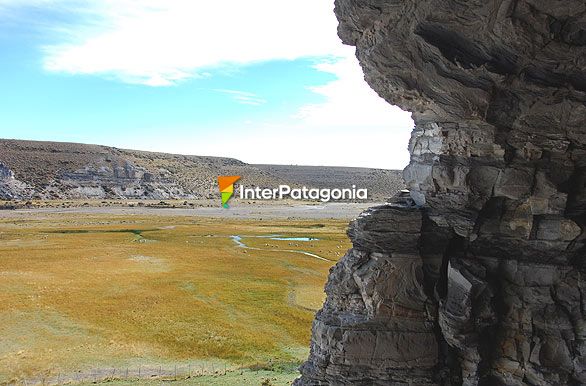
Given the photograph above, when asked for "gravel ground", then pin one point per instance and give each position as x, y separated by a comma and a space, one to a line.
319, 211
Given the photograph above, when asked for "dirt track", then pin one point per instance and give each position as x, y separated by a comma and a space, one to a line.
302, 211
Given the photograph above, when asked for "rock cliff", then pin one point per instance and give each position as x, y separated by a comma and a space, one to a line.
477, 278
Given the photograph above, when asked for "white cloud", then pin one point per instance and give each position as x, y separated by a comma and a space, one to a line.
243, 97
349, 100
161, 42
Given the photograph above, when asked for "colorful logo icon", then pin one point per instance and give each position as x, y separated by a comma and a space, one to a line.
226, 184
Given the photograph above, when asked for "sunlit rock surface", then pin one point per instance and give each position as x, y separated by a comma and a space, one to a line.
479, 283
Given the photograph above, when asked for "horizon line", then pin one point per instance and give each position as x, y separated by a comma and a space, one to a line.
193, 155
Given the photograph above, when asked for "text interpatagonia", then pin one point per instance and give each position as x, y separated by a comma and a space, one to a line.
303, 193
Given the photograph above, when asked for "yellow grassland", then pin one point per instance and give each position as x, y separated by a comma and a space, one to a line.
91, 291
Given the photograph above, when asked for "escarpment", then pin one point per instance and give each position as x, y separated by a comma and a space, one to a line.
477, 278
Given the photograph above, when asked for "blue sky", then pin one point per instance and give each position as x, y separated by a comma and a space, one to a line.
269, 82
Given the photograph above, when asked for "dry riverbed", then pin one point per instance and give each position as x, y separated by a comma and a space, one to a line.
265, 210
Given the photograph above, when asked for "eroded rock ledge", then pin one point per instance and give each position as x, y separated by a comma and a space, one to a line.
480, 281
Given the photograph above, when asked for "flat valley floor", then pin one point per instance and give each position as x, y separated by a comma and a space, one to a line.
199, 296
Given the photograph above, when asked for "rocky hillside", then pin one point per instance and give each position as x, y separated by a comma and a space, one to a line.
52, 170
477, 278
378, 181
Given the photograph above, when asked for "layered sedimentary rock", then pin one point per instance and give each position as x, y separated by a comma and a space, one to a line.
377, 323
57, 170
479, 281
10, 187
